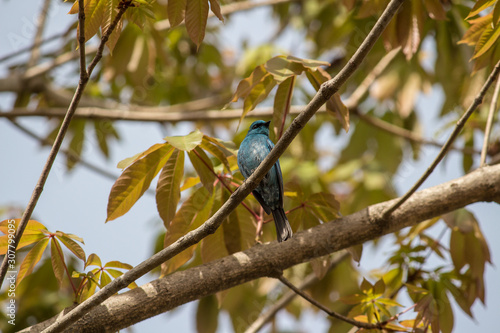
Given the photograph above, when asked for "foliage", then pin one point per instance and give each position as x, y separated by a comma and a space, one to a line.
148, 68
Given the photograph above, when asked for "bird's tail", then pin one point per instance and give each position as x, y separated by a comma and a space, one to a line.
283, 229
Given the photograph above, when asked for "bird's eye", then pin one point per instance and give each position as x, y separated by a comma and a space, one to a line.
255, 126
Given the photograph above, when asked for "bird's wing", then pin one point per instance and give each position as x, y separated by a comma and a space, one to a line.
277, 168
261, 201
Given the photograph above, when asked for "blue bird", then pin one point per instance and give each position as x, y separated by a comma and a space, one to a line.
269, 193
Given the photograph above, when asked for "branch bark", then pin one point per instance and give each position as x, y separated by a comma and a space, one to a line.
266, 260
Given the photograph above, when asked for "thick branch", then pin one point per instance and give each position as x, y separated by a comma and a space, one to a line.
181, 287
210, 226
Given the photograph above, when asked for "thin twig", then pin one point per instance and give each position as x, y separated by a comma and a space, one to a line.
42, 18
84, 77
210, 226
489, 123
325, 309
69, 153
307, 282
460, 124
361, 90
30, 47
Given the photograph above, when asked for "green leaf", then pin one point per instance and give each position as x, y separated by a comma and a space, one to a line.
186, 142
129, 160
472, 35
213, 247
135, 180
176, 10
324, 206
259, 92
93, 260
320, 266
196, 20
353, 299
488, 39
116, 273
32, 227
57, 259
366, 286
94, 15
379, 287
445, 312
31, 259
25, 241
281, 68
105, 280
231, 227
457, 294
76, 143
168, 188
204, 168
479, 6
110, 11
246, 85
118, 264
207, 315
496, 13
334, 105
214, 147
71, 245
388, 301
282, 103
193, 212
90, 285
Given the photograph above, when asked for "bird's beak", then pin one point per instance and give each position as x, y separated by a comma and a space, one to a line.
267, 123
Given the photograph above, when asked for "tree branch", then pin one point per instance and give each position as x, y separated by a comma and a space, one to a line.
489, 123
307, 282
210, 226
460, 124
42, 18
325, 309
161, 295
84, 77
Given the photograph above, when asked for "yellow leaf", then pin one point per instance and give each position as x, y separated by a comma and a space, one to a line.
57, 259
135, 180
31, 259
168, 188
